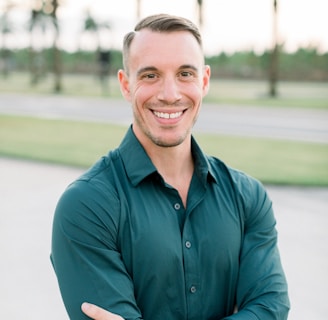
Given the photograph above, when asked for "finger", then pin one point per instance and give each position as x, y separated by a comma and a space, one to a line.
91, 311
97, 313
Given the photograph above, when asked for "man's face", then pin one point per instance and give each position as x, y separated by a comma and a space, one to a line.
166, 83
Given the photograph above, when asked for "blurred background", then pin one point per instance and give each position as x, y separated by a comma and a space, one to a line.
254, 39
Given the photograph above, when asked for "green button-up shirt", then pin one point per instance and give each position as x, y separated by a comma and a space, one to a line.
123, 240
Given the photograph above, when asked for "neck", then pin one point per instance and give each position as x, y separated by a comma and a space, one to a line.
175, 165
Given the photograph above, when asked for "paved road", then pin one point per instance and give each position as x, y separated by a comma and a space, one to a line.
28, 195
287, 123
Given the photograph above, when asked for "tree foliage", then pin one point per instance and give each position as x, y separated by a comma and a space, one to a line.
305, 64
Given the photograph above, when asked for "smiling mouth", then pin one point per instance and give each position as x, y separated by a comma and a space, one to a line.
165, 115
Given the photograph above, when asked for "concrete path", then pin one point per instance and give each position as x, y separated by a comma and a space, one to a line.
29, 192
278, 123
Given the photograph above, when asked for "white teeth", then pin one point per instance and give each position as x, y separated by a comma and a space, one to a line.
165, 115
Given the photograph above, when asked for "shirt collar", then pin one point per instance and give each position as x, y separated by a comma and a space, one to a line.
136, 161
202, 166
138, 165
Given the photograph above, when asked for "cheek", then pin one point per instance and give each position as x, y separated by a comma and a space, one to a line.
143, 93
196, 92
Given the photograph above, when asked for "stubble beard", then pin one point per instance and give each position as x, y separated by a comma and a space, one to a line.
159, 141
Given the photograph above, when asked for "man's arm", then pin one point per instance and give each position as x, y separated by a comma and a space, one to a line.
262, 287
87, 262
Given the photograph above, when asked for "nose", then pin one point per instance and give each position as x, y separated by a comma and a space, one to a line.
169, 91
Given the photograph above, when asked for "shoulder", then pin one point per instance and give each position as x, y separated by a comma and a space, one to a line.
237, 178
93, 192
249, 192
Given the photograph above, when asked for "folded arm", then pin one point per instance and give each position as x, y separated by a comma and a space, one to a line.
262, 287
85, 256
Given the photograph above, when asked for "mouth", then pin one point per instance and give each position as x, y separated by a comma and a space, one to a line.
167, 115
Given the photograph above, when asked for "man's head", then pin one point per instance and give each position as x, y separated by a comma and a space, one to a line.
159, 23
165, 79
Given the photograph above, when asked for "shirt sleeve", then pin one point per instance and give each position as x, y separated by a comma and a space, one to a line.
84, 254
262, 287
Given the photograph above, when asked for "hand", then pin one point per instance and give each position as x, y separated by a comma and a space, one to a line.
97, 313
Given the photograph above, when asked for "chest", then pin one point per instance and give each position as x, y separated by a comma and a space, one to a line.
157, 230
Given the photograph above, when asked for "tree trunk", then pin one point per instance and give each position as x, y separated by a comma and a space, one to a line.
200, 13
273, 70
57, 62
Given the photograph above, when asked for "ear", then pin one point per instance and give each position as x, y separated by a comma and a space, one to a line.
206, 79
124, 84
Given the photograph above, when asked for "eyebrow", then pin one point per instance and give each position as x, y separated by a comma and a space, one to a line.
188, 66
146, 69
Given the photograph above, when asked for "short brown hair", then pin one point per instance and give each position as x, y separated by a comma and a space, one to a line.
160, 23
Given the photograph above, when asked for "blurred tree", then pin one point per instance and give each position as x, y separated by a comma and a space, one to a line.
57, 64
39, 22
91, 25
44, 18
5, 29
200, 13
273, 69
95, 28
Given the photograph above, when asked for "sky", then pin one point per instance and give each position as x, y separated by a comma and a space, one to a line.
229, 25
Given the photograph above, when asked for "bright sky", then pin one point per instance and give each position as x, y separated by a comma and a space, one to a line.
229, 25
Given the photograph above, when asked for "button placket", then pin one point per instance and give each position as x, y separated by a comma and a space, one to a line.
193, 288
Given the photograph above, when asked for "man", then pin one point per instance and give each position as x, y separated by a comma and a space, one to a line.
157, 229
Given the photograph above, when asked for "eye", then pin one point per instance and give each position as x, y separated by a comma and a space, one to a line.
149, 76
186, 74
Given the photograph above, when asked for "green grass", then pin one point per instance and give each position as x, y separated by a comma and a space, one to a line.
63, 142
82, 143
272, 161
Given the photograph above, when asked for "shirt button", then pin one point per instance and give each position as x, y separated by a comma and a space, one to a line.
193, 289
188, 244
177, 206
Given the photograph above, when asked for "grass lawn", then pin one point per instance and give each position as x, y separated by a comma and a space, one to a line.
82, 143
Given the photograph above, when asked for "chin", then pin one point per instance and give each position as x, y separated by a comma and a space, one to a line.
168, 143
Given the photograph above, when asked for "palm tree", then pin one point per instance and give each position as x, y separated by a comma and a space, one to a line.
273, 71
39, 23
91, 26
44, 18
94, 27
57, 65
5, 29
200, 12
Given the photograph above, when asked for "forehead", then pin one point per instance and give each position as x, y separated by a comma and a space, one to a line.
165, 46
